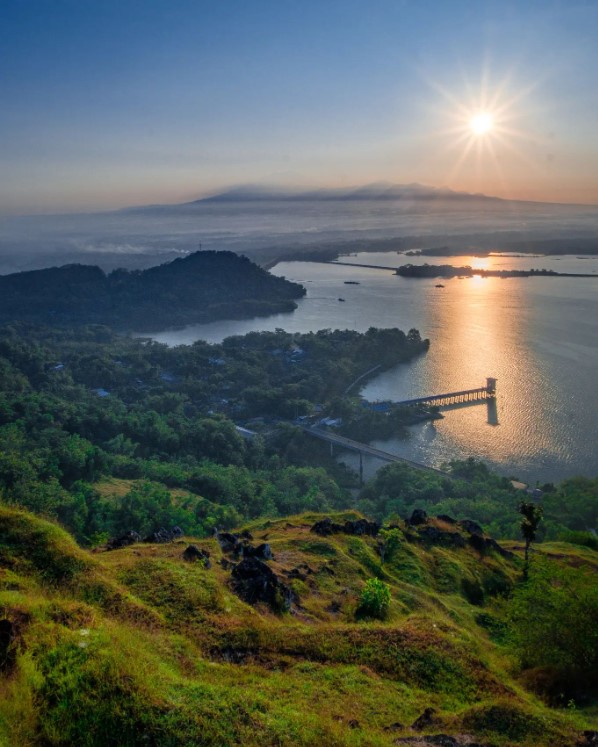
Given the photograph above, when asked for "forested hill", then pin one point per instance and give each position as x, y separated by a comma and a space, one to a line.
201, 287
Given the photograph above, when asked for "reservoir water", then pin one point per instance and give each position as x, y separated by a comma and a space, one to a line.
538, 336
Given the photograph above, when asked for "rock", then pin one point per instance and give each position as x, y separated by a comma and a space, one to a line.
7, 639
263, 551
162, 535
296, 573
325, 527
484, 544
436, 536
193, 554
471, 526
396, 726
254, 581
130, 538
589, 739
419, 516
228, 542
446, 518
360, 527
425, 720
353, 723
227, 564
246, 535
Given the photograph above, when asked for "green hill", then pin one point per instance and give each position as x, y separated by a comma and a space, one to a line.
200, 287
136, 646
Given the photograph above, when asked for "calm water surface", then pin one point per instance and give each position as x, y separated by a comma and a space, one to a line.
537, 336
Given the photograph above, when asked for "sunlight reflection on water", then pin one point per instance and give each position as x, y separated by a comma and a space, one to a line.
537, 336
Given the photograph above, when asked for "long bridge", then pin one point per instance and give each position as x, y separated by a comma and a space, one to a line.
451, 398
487, 392
348, 443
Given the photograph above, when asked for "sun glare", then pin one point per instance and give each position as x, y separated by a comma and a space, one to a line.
482, 123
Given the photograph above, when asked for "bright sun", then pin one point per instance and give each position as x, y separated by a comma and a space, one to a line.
481, 123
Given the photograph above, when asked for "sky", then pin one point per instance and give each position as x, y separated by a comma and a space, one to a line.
106, 104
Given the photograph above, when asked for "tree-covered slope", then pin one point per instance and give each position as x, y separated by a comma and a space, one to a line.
200, 287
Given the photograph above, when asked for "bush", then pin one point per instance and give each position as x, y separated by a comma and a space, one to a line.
374, 600
583, 539
553, 620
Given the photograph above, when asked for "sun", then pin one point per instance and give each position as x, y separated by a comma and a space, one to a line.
481, 123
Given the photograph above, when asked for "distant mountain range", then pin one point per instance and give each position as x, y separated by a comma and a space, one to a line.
376, 191
369, 192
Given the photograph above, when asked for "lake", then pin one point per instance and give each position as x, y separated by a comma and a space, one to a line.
538, 336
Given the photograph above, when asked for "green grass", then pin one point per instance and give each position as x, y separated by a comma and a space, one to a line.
137, 647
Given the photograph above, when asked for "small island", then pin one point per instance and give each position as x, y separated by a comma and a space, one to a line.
449, 271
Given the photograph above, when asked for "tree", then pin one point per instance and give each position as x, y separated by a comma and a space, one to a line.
532, 516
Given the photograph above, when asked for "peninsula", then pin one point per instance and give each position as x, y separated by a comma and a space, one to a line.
202, 287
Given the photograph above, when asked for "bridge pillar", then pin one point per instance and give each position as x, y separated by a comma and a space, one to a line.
491, 385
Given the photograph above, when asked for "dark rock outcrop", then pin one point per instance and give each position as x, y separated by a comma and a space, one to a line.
471, 526
425, 720
263, 551
254, 581
130, 538
360, 527
239, 545
419, 516
446, 518
435, 536
301, 572
228, 542
326, 527
485, 544
162, 535
193, 554
396, 726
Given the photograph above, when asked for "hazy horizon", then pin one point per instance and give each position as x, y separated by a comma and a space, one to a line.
111, 105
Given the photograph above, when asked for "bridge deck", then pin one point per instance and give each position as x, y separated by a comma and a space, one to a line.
479, 393
385, 456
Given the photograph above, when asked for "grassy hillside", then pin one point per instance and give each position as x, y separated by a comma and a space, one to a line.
136, 646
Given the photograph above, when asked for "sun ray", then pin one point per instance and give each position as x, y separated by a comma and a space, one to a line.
483, 126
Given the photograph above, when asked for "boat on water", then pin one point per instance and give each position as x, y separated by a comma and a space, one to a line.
352, 282
439, 285
341, 299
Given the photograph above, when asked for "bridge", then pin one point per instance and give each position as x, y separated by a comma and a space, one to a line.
348, 443
451, 398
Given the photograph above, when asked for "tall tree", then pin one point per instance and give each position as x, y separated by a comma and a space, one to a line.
532, 516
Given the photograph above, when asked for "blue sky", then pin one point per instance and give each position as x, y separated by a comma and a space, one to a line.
106, 104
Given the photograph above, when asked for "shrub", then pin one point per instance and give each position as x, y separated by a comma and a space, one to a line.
374, 600
553, 619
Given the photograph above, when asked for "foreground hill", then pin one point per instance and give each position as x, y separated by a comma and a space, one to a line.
137, 646
200, 287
